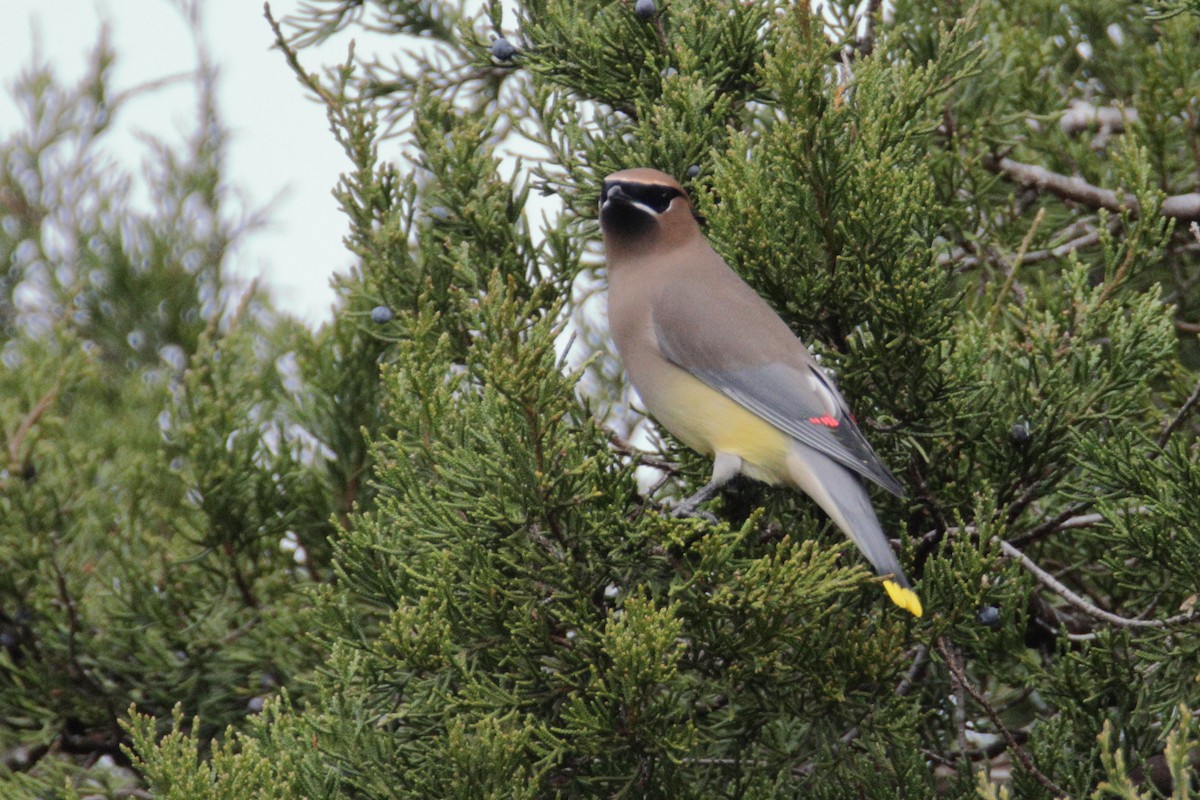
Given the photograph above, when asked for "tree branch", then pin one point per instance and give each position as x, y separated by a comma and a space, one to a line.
1054, 585
966, 262
920, 661
1181, 206
641, 456
27, 423
1082, 116
915, 670
960, 678
1064, 249
293, 61
955, 665
865, 44
1056, 523
1065, 521
1180, 416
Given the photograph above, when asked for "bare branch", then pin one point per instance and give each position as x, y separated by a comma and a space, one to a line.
1181, 206
1052, 525
1064, 249
1088, 520
1076, 189
293, 61
1057, 630
865, 44
30, 419
1081, 235
915, 670
641, 456
1067, 520
1180, 415
1010, 271
1032, 257
920, 661
1082, 115
960, 678
955, 664
1054, 585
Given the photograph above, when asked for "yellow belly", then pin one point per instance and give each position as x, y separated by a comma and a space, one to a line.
709, 423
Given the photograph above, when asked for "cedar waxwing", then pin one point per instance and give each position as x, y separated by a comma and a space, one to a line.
723, 373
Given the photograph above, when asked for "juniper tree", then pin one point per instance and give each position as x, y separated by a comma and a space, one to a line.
980, 216
152, 462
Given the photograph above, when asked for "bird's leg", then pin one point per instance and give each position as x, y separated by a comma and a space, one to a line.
688, 508
725, 467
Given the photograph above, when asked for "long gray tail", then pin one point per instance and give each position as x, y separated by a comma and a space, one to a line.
842, 495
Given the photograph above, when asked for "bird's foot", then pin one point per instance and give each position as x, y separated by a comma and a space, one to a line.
690, 509
691, 506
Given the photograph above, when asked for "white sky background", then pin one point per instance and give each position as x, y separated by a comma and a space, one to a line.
282, 155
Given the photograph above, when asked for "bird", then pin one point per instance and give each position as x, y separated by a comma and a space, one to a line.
719, 369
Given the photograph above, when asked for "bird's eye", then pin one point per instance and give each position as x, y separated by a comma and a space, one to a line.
659, 197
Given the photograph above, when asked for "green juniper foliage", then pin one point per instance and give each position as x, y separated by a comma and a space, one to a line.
152, 462
981, 216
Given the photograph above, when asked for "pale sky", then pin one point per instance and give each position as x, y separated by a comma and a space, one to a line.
281, 148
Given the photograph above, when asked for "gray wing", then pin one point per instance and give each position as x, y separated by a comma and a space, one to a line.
790, 390
778, 394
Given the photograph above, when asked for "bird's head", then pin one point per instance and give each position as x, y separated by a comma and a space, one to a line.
645, 208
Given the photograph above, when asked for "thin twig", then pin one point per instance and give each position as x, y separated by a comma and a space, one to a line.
1180, 415
294, 61
1010, 270
920, 661
661, 31
1054, 585
1063, 631
1066, 248
641, 456
1052, 525
963, 262
30, 419
960, 677
1088, 520
1118, 277
1080, 234
1068, 520
725, 762
1031, 493
977, 753
937, 758
954, 662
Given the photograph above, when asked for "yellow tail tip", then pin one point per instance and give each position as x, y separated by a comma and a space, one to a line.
905, 598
